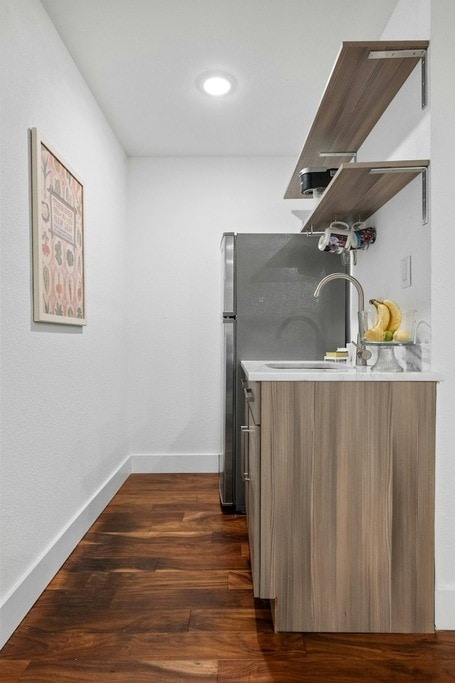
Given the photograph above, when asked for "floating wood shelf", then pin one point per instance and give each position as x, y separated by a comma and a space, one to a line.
359, 90
359, 189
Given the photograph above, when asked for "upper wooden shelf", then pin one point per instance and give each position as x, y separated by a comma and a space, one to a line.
359, 189
357, 94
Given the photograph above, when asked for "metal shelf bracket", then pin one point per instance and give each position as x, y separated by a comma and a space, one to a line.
400, 54
423, 170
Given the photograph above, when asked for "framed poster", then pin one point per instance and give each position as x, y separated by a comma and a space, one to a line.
58, 238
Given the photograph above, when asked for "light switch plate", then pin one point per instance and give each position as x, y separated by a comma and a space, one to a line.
406, 272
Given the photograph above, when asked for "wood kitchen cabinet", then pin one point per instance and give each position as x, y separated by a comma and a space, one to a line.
257, 502
340, 504
251, 474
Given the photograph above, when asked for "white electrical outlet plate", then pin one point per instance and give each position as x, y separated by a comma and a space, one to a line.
406, 272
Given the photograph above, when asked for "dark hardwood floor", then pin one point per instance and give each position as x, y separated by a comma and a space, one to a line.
159, 590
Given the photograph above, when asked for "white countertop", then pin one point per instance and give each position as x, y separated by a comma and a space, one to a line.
259, 371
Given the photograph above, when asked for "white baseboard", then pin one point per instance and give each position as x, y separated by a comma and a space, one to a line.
28, 589
24, 594
166, 464
445, 609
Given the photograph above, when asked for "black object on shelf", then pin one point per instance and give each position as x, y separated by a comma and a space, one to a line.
312, 178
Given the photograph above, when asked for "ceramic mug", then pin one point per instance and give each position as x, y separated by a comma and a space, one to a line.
362, 236
336, 238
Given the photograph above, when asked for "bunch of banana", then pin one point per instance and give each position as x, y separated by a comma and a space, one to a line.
377, 333
395, 316
387, 323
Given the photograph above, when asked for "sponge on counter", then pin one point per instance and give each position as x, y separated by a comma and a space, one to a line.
339, 353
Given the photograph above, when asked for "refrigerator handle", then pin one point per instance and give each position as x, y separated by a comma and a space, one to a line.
228, 251
227, 459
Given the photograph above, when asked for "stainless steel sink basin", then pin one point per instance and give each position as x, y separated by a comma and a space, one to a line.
307, 365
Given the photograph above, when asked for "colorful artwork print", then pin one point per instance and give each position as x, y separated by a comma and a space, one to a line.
58, 232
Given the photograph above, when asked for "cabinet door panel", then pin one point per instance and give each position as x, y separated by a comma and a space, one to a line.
412, 443
350, 468
352, 494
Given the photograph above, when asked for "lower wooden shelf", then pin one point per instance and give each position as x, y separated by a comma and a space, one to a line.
359, 189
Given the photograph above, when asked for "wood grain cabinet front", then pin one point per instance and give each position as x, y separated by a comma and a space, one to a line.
257, 499
252, 474
345, 507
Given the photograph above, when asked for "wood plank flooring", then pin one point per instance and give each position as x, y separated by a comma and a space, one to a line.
159, 590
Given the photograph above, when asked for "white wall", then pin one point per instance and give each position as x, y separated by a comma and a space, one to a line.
403, 132
442, 300
178, 210
64, 406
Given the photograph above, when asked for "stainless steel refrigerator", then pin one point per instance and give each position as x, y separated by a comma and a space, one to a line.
270, 313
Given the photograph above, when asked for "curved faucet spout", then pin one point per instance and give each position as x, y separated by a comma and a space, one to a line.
362, 353
343, 276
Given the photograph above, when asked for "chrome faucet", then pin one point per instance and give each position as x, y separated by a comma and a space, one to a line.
362, 353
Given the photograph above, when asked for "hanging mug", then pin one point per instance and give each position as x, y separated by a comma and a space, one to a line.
362, 236
336, 238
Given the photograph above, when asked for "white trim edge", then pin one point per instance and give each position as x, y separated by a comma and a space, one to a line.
27, 590
24, 594
445, 609
174, 464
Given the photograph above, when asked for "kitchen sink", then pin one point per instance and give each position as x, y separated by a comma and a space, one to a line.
308, 365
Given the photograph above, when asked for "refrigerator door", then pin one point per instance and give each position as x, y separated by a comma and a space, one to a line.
227, 458
228, 266
277, 314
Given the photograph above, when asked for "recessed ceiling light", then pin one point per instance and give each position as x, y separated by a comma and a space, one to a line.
216, 84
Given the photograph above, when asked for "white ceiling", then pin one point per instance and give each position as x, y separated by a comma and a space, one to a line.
141, 59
